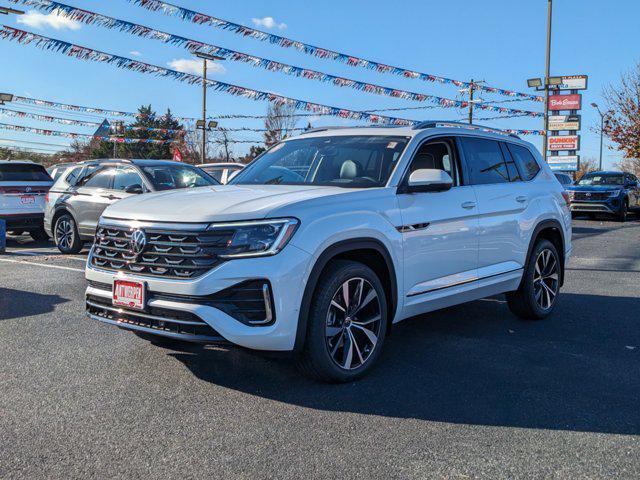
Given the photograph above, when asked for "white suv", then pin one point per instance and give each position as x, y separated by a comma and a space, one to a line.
327, 239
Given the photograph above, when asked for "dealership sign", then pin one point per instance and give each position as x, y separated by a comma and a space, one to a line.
573, 82
565, 102
564, 122
568, 163
564, 142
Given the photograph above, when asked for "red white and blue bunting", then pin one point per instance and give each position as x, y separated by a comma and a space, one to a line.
56, 133
84, 53
92, 18
7, 112
351, 60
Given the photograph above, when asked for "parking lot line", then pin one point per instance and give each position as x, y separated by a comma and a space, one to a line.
42, 265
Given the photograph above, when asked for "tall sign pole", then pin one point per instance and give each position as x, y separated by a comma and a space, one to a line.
204, 110
471, 89
546, 78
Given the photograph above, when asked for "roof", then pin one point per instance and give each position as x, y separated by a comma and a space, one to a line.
135, 161
442, 126
18, 161
221, 164
606, 172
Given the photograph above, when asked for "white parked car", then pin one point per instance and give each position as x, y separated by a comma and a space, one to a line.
23, 188
322, 244
222, 172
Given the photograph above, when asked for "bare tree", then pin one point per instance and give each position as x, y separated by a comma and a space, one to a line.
622, 119
586, 165
225, 143
281, 119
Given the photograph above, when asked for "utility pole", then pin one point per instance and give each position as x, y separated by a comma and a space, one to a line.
471, 89
203, 124
547, 74
595, 105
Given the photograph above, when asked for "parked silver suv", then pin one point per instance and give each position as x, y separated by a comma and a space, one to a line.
81, 194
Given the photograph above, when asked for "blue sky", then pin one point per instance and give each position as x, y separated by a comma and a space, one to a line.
499, 41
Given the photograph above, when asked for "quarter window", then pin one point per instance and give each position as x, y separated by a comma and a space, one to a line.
526, 162
485, 161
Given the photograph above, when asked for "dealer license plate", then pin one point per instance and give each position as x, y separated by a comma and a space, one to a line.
27, 200
129, 294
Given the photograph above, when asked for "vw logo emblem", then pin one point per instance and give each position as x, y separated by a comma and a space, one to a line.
138, 241
588, 194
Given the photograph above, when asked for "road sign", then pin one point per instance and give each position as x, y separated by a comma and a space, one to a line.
564, 142
565, 102
567, 163
573, 82
564, 122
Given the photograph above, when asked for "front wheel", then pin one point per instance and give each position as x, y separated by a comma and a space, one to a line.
538, 292
66, 235
347, 324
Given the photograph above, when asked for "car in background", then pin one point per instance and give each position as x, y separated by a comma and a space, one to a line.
222, 172
80, 195
564, 179
614, 193
23, 187
56, 171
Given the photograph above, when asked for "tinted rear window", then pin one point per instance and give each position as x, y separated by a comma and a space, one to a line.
525, 161
22, 172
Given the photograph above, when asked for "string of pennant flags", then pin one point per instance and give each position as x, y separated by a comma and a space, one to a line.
73, 135
284, 42
84, 53
93, 18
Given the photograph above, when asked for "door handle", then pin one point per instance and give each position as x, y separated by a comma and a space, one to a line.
469, 205
521, 199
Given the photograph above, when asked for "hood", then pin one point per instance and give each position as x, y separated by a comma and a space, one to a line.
215, 203
593, 188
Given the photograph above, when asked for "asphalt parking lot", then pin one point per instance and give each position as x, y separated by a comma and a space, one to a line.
468, 392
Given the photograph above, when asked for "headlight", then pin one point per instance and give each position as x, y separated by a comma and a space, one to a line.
256, 238
615, 193
571, 194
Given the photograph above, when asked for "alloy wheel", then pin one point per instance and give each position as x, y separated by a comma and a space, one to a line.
64, 234
546, 279
353, 323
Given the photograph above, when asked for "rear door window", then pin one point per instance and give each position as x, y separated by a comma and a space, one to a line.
485, 161
527, 164
23, 172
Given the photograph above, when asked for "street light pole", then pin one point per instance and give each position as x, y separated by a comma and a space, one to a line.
595, 105
204, 110
205, 57
545, 141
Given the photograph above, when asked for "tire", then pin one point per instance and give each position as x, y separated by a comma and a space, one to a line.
39, 235
336, 327
65, 234
536, 298
624, 212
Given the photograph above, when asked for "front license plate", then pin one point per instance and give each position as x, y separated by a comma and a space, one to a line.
127, 293
27, 200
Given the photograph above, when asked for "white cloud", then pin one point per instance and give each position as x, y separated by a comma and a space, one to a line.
135, 53
39, 20
268, 22
194, 66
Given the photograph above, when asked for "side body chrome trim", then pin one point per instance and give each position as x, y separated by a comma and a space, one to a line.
413, 228
463, 282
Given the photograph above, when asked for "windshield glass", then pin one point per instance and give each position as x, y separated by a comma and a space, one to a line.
602, 180
23, 172
169, 177
341, 161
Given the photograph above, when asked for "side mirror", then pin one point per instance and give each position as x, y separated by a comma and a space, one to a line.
428, 180
633, 184
135, 189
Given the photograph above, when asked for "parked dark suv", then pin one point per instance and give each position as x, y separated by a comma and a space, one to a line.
80, 195
605, 192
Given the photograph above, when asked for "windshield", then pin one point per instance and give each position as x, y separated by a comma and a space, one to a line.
169, 177
341, 161
602, 180
23, 172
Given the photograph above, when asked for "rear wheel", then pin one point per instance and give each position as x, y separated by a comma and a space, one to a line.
347, 324
66, 235
536, 297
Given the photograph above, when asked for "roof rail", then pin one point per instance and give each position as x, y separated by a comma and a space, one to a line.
342, 127
445, 124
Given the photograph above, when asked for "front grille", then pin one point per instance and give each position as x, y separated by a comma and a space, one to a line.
160, 320
591, 196
168, 254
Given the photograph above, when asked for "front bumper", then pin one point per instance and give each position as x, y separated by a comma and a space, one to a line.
286, 273
612, 206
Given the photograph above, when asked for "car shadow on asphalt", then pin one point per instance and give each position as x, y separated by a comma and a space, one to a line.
474, 364
21, 303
